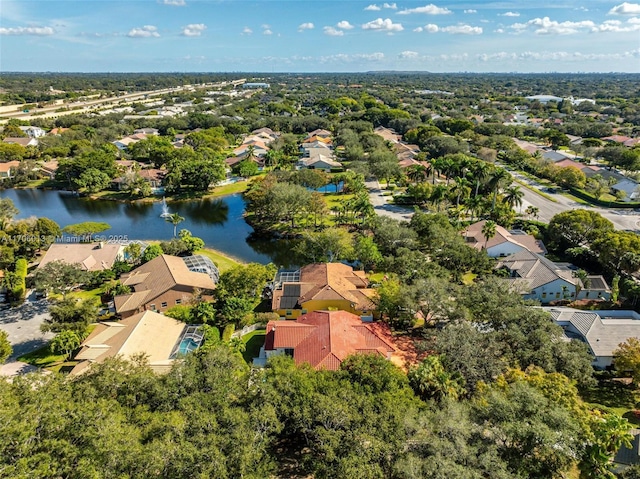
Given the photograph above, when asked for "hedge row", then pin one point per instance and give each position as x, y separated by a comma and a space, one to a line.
582, 194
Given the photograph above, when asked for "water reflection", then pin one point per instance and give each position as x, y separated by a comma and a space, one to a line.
219, 222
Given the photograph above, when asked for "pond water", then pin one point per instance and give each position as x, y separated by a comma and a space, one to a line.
219, 221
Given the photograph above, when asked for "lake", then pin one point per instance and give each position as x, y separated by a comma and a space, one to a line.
218, 221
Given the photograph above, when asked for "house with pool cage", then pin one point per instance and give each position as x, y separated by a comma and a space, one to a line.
159, 338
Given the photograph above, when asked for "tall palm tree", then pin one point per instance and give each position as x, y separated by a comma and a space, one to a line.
498, 177
461, 189
437, 195
513, 196
416, 173
175, 219
488, 231
480, 171
473, 205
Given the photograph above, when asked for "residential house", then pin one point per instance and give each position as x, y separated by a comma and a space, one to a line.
322, 286
319, 162
601, 330
89, 256
265, 131
540, 279
159, 338
153, 176
49, 168
323, 339
147, 131
8, 169
630, 188
21, 141
310, 152
317, 145
58, 131
575, 164
620, 139
259, 148
160, 284
554, 156
33, 131
388, 134
320, 133
503, 243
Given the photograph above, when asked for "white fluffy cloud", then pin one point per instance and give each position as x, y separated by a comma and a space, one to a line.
408, 55
38, 31
345, 25
546, 26
267, 31
194, 29
616, 26
470, 10
144, 32
376, 8
174, 3
626, 8
381, 25
305, 26
247, 31
462, 30
565, 56
332, 32
430, 9
355, 58
509, 14
431, 28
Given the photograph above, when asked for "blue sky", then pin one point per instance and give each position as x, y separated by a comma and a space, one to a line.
319, 36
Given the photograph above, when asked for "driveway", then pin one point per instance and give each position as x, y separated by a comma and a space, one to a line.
381, 205
22, 325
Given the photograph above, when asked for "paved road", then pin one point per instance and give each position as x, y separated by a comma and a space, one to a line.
22, 325
622, 219
382, 207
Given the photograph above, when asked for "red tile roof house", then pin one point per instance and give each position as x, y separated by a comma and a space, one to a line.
7, 169
323, 339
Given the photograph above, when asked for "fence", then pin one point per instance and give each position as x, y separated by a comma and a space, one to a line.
247, 330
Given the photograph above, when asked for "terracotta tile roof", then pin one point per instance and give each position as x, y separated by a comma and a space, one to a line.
6, 166
326, 281
155, 278
325, 338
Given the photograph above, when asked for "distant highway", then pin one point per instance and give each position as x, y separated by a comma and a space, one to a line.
83, 106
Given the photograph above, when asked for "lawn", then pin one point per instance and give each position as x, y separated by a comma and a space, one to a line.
253, 341
92, 293
43, 358
223, 262
616, 396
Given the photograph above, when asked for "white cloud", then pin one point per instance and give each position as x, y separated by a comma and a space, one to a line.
430, 9
471, 10
144, 32
625, 8
267, 32
332, 32
385, 25
174, 3
616, 26
376, 8
408, 55
509, 14
194, 29
634, 20
247, 31
546, 26
305, 26
355, 58
265, 26
563, 56
38, 31
345, 25
499, 30
419, 29
462, 30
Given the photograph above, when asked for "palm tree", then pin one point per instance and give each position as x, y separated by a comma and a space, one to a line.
532, 211
480, 171
488, 231
416, 173
497, 178
437, 195
175, 219
473, 205
513, 196
461, 189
